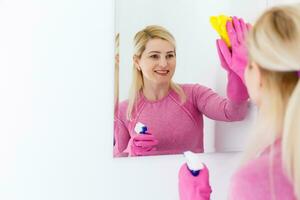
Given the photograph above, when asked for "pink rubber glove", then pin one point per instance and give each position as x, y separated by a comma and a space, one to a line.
142, 145
236, 89
236, 57
194, 187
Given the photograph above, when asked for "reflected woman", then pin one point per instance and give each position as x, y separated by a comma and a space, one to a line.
173, 113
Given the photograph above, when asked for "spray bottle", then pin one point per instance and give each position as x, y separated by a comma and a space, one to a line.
193, 162
140, 128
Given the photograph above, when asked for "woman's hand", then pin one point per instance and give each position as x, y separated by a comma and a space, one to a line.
142, 144
194, 187
236, 57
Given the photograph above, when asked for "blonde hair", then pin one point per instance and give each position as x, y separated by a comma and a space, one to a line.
140, 40
116, 75
274, 44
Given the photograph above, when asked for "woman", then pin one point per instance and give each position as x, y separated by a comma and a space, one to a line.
271, 169
173, 113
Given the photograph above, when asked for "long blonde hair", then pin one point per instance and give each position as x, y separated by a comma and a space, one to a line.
274, 44
140, 40
116, 74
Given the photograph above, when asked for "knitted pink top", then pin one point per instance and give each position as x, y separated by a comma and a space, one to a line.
177, 127
262, 178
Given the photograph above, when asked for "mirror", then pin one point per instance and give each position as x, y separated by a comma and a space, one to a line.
172, 123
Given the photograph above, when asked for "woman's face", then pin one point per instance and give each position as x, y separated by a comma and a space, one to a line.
157, 62
253, 79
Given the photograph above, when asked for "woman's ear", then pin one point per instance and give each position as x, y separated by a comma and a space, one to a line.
257, 73
254, 82
136, 62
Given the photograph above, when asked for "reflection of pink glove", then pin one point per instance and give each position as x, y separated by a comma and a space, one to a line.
236, 90
142, 144
194, 187
236, 57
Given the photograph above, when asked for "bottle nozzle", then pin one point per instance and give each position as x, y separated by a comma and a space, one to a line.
193, 162
140, 128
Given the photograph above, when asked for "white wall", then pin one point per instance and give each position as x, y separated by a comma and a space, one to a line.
279, 2
56, 105
56, 110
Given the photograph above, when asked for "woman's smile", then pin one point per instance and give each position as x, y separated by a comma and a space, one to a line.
162, 72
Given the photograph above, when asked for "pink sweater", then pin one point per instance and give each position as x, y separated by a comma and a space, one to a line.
259, 179
177, 127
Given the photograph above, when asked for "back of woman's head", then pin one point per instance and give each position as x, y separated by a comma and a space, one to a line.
274, 41
274, 45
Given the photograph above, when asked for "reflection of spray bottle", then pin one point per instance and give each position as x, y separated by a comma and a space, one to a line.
140, 128
193, 162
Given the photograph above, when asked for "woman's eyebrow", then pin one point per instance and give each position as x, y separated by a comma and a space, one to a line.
160, 52
154, 52
171, 52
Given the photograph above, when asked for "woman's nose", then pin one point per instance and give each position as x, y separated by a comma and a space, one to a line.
163, 62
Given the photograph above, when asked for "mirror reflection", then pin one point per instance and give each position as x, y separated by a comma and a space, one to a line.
167, 72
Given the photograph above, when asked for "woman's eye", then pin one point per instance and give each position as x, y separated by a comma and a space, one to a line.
154, 56
170, 56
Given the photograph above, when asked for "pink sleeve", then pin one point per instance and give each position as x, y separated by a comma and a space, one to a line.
121, 134
216, 107
121, 138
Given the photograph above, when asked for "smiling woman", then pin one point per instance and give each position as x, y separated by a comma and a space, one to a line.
157, 62
171, 114
154, 65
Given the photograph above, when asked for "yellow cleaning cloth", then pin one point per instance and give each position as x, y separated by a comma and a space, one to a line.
219, 24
